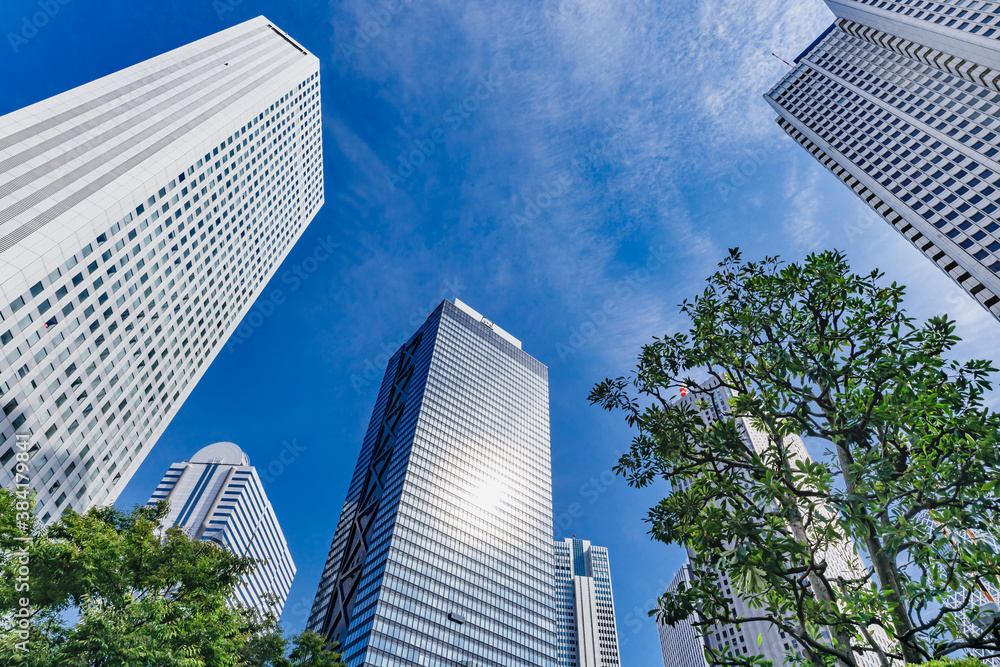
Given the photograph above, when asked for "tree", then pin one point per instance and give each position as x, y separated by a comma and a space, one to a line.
107, 589
908, 468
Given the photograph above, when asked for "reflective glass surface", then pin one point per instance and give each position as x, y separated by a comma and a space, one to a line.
456, 564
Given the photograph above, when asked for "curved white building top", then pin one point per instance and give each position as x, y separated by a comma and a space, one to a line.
217, 496
222, 452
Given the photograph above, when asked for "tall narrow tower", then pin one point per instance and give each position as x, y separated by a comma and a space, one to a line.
217, 496
140, 217
585, 607
900, 100
443, 553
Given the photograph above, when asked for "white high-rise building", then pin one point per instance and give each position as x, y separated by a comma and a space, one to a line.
684, 645
900, 100
585, 607
217, 496
140, 217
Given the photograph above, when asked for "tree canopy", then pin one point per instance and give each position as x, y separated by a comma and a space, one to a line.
907, 470
108, 588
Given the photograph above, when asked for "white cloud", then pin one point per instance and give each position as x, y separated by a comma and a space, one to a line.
732, 43
674, 89
802, 224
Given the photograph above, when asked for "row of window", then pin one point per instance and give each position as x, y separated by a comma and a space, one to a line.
115, 258
973, 16
946, 187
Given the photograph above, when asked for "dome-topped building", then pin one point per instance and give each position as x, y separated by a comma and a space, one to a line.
217, 495
222, 452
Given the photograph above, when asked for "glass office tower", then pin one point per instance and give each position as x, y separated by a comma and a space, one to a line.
443, 553
682, 645
901, 101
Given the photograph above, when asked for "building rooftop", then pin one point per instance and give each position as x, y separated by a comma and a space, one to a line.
221, 452
472, 312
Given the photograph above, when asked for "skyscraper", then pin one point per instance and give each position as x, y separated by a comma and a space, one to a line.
900, 100
980, 604
682, 645
585, 608
217, 496
443, 553
140, 217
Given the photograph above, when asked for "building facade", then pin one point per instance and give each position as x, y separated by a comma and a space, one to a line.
981, 604
684, 645
900, 100
140, 217
585, 608
217, 496
443, 552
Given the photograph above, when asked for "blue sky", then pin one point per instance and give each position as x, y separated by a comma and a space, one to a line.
614, 152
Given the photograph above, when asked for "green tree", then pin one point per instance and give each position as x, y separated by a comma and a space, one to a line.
964, 662
108, 589
908, 469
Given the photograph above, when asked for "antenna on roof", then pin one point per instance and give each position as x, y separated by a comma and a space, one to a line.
781, 59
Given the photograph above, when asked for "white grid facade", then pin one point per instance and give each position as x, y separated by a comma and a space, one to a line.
681, 645
587, 633
910, 127
967, 29
776, 645
976, 18
983, 603
218, 496
140, 216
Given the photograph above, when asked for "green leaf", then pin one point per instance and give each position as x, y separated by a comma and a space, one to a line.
811, 347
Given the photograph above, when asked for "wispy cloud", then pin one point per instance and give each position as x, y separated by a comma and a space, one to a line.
629, 105
802, 223
733, 43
